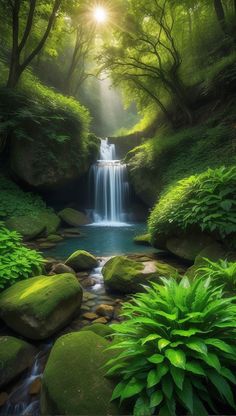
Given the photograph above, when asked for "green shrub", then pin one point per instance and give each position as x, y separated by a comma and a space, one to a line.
15, 202
206, 201
221, 272
177, 350
16, 261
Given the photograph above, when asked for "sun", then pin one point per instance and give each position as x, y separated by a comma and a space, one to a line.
100, 14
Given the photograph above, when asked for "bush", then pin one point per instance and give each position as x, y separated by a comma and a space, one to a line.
222, 273
177, 350
15, 202
16, 261
206, 201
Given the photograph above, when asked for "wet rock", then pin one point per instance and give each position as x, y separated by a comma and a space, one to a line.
90, 303
15, 357
73, 217
54, 238
89, 282
102, 320
105, 310
35, 387
90, 316
29, 227
47, 245
188, 247
81, 260
82, 275
74, 381
88, 296
61, 268
38, 307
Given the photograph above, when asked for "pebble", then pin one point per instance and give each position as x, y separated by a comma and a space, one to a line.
88, 296
102, 320
3, 398
91, 316
105, 310
35, 387
88, 282
90, 303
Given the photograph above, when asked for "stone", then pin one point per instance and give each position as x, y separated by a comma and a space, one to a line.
81, 260
35, 387
90, 316
102, 320
105, 310
143, 240
74, 381
53, 238
123, 275
46, 245
29, 227
50, 220
188, 246
61, 268
73, 217
89, 282
99, 328
38, 307
16, 356
88, 296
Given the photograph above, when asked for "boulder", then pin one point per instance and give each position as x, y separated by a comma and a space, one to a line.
74, 381
81, 260
188, 246
126, 276
38, 307
15, 357
73, 217
61, 268
31, 227
99, 329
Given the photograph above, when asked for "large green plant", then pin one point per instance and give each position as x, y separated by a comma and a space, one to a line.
206, 201
221, 272
177, 348
17, 262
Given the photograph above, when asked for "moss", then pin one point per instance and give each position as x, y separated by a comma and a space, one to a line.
50, 220
81, 260
74, 380
73, 217
15, 356
99, 329
27, 226
144, 239
38, 307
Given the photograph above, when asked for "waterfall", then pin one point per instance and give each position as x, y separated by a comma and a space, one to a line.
109, 187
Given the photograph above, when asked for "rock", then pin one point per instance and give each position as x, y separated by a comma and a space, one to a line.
15, 357
187, 247
53, 238
46, 245
29, 227
89, 282
90, 316
99, 328
105, 310
3, 398
102, 320
75, 230
38, 307
81, 260
124, 275
73, 217
35, 387
143, 240
50, 220
88, 296
74, 381
61, 268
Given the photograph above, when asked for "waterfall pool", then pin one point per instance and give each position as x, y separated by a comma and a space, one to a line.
102, 241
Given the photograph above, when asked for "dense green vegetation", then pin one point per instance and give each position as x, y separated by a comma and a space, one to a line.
177, 349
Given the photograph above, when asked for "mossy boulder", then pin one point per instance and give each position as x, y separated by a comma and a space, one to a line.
74, 381
81, 260
143, 240
73, 217
188, 246
15, 357
124, 275
38, 307
31, 227
99, 329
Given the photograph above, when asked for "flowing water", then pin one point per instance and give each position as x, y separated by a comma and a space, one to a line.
109, 188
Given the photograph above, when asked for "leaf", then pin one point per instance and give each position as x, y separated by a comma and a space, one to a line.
156, 358
167, 386
156, 398
213, 361
118, 390
152, 379
176, 357
195, 367
186, 395
149, 338
142, 408
132, 388
162, 343
185, 333
198, 345
221, 345
178, 376
222, 386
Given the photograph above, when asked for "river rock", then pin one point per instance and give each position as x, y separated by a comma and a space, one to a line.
188, 247
90, 316
105, 310
29, 227
35, 387
81, 260
126, 276
54, 238
74, 381
61, 268
73, 217
38, 307
15, 357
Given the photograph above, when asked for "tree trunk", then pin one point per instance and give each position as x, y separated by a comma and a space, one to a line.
219, 9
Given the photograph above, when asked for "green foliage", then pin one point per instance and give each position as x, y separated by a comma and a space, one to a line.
16, 261
177, 348
221, 272
206, 201
15, 202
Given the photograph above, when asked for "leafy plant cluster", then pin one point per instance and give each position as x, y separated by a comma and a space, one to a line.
16, 261
222, 273
177, 350
206, 201
15, 202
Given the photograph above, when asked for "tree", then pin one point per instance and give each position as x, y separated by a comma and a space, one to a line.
18, 60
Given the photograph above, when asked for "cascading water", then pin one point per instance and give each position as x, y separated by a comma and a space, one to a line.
109, 188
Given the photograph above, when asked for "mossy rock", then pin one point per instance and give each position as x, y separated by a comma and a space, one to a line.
29, 227
188, 246
126, 276
54, 238
73, 217
81, 260
50, 220
74, 381
99, 329
143, 240
38, 307
15, 357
